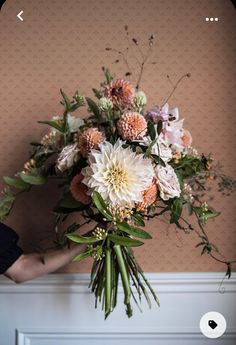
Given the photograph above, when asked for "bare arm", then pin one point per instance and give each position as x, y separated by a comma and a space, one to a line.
33, 265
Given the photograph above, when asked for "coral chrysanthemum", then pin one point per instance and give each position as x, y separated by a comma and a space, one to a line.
118, 174
149, 197
132, 126
90, 139
79, 190
120, 92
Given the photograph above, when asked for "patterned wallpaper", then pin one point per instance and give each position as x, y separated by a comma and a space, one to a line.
61, 44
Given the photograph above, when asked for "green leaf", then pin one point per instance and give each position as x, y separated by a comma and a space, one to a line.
94, 108
16, 182
159, 127
151, 130
54, 124
149, 149
180, 178
101, 205
131, 230
161, 162
189, 166
33, 179
108, 75
97, 93
138, 219
83, 255
6, 203
81, 239
73, 107
66, 102
176, 210
124, 241
204, 217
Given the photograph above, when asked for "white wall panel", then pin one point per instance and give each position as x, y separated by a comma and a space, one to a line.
59, 310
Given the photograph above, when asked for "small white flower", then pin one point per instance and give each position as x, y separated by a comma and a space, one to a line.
68, 156
167, 182
192, 152
57, 118
187, 193
74, 123
118, 174
105, 104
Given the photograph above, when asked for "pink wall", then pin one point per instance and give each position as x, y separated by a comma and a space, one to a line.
61, 44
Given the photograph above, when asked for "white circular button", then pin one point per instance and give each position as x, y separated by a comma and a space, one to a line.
213, 324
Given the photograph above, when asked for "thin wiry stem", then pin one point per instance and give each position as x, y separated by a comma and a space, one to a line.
187, 75
130, 48
145, 59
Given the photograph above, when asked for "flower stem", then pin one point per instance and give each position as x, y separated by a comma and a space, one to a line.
108, 281
187, 75
124, 275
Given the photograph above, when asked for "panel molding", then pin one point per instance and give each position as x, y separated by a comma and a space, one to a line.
27, 337
190, 282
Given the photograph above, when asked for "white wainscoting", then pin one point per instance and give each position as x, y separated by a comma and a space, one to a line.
59, 310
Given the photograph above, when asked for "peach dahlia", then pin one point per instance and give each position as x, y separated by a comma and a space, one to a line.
90, 139
132, 126
120, 92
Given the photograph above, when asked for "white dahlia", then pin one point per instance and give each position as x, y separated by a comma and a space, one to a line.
167, 182
118, 174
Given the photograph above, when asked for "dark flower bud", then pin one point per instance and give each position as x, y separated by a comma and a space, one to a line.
135, 41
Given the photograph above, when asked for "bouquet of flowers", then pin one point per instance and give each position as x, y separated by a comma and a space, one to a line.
118, 168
